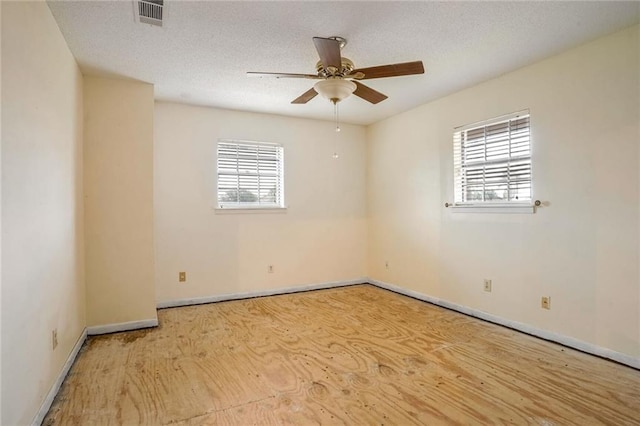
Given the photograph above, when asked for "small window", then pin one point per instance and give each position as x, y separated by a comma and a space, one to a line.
492, 162
250, 175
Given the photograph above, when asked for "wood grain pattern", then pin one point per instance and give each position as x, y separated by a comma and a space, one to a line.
368, 94
329, 52
392, 70
305, 97
354, 355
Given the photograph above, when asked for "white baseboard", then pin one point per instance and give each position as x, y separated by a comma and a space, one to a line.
122, 326
46, 404
261, 293
525, 328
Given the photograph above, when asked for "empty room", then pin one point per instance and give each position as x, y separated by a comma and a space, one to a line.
314, 212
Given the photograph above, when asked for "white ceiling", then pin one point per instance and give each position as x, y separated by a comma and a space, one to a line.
201, 54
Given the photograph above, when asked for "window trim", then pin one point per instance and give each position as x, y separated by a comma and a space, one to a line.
494, 208
250, 208
500, 206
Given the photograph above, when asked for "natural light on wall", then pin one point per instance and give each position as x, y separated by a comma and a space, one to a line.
250, 175
492, 162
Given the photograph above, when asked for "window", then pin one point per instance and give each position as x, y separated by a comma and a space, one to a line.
492, 162
250, 175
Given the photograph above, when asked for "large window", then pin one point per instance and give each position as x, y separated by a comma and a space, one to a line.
250, 175
492, 162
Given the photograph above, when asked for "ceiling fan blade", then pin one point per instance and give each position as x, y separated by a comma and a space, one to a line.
354, 76
282, 75
329, 52
392, 70
368, 94
305, 97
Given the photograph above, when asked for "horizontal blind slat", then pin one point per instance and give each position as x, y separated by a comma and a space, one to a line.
249, 174
492, 161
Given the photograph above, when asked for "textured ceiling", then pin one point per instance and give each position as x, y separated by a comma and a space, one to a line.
202, 52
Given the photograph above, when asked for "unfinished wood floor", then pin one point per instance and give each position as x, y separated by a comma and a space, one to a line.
355, 355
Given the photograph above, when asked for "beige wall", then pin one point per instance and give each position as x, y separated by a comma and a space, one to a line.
320, 238
582, 250
42, 236
118, 159
0, 214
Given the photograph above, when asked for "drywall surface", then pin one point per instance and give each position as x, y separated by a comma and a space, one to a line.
118, 159
42, 235
0, 213
581, 248
321, 237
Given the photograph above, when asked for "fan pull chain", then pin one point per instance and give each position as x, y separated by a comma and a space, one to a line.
337, 120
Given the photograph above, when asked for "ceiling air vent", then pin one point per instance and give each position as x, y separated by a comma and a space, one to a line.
149, 11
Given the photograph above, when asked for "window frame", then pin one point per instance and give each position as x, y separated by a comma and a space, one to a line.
258, 206
490, 206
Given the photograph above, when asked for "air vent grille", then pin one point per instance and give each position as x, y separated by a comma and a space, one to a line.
149, 11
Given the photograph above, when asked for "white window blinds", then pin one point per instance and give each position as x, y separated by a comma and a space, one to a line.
250, 175
492, 161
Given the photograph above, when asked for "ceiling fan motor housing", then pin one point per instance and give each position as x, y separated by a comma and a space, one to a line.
345, 69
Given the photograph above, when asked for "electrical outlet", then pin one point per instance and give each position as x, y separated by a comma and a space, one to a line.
270, 269
182, 277
487, 285
545, 303
386, 264
54, 338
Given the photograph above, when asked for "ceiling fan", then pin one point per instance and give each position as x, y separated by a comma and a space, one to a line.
339, 77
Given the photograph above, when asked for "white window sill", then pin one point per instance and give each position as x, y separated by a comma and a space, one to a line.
243, 210
493, 208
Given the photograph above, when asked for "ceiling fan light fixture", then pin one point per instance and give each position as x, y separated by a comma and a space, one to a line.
335, 89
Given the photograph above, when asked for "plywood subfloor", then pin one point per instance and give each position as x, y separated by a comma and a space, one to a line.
355, 355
